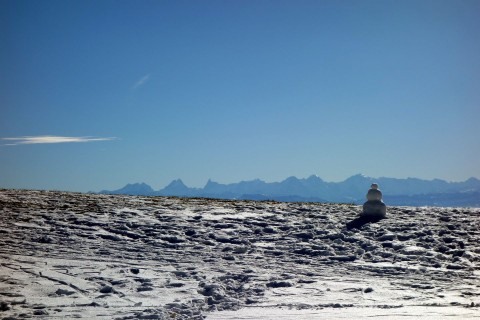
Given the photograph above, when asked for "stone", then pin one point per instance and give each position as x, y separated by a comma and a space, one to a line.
106, 289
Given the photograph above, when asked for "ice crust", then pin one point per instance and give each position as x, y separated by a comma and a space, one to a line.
72, 255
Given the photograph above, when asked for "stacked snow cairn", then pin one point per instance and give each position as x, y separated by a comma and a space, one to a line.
374, 209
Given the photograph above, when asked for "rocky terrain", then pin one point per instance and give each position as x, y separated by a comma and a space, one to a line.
72, 255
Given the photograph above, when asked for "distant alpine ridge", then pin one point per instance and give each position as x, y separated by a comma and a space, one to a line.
400, 192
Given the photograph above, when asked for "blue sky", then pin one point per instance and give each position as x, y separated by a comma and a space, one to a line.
96, 94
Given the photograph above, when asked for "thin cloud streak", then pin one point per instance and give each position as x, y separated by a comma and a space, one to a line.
141, 82
50, 139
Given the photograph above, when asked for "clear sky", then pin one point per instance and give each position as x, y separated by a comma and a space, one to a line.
97, 94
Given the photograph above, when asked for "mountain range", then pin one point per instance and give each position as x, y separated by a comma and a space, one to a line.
410, 191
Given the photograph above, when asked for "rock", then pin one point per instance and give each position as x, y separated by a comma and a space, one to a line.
106, 289
305, 235
144, 288
135, 270
175, 285
387, 244
343, 258
190, 232
279, 284
62, 292
4, 306
40, 312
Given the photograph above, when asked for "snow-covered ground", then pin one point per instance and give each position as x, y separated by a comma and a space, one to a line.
72, 255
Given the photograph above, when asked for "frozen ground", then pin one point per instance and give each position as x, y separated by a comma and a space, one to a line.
71, 255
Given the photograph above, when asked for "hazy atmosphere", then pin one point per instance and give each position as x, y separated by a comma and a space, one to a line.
96, 94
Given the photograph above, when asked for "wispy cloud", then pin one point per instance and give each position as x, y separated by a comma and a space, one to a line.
141, 82
49, 139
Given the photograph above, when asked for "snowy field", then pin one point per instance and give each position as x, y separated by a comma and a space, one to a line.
72, 255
